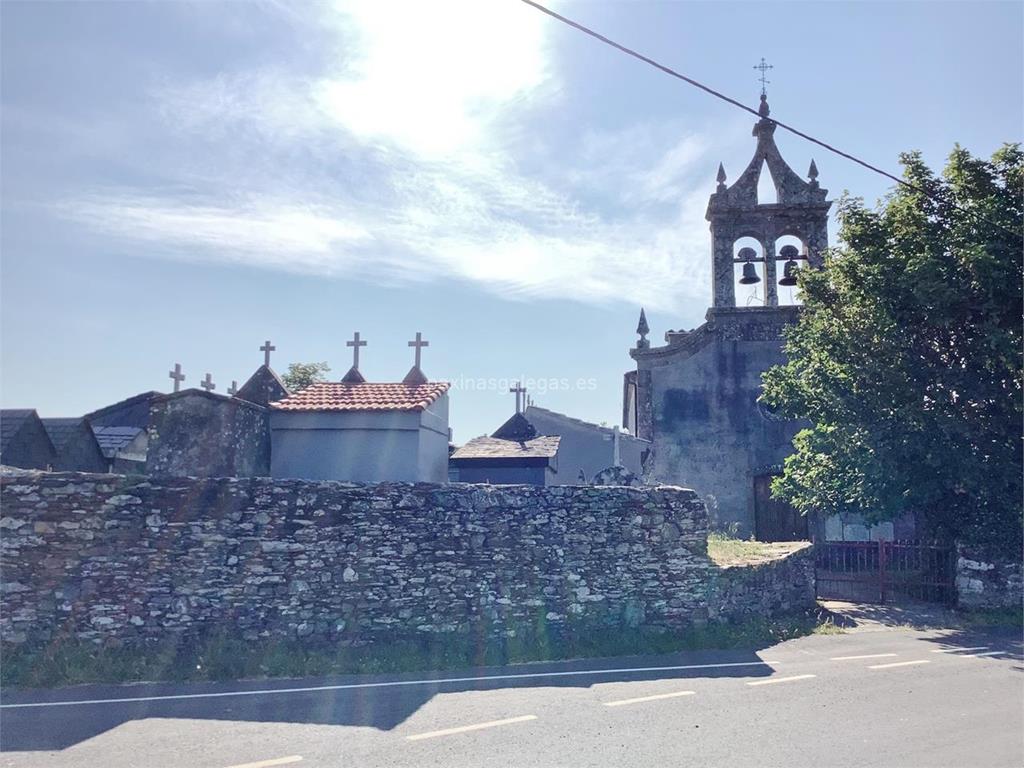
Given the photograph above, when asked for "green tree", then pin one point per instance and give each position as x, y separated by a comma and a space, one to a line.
301, 375
906, 359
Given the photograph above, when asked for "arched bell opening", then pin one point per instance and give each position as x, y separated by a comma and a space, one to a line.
748, 272
767, 192
791, 257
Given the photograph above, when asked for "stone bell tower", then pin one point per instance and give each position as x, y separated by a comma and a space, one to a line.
801, 211
696, 397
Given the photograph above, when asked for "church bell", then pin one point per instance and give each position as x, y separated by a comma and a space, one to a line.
749, 274
789, 271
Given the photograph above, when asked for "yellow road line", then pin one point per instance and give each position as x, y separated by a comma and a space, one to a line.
639, 699
466, 728
773, 680
268, 763
900, 664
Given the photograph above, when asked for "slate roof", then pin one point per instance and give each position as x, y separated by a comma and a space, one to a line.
113, 439
362, 396
132, 412
263, 387
544, 447
61, 430
516, 428
11, 420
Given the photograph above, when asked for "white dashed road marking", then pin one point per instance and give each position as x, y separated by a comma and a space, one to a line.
772, 680
863, 656
639, 699
990, 653
960, 650
900, 664
268, 763
467, 728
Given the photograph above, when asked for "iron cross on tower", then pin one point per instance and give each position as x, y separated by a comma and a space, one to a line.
764, 66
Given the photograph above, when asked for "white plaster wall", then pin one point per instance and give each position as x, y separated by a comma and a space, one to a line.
364, 447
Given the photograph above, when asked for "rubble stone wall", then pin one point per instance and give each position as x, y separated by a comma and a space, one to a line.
118, 559
984, 581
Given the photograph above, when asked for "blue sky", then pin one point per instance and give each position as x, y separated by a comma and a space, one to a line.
181, 181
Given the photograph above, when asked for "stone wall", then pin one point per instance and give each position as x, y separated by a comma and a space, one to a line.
780, 586
983, 581
105, 557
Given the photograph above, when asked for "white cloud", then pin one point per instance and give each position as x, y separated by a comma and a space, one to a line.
396, 164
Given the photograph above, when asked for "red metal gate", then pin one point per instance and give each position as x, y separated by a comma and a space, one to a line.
885, 571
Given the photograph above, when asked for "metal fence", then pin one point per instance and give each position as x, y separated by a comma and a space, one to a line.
885, 571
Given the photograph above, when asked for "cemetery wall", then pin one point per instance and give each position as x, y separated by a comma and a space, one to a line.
113, 558
776, 587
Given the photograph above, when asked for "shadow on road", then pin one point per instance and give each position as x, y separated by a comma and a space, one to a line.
381, 702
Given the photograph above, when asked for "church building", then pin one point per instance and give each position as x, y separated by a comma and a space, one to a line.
696, 397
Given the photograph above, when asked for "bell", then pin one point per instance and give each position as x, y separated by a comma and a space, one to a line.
749, 274
789, 252
746, 254
789, 271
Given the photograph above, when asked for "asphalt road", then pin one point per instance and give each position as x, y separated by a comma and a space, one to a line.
886, 698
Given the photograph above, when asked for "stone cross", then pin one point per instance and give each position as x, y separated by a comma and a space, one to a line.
233, 389
520, 390
764, 66
419, 343
356, 344
616, 455
266, 349
207, 383
177, 375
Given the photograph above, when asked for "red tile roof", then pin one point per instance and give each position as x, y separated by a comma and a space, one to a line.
362, 396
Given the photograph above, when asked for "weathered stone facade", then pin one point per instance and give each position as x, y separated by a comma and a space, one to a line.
202, 434
697, 400
109, 558
983, 581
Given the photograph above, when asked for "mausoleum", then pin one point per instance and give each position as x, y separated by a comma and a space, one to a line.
362, 431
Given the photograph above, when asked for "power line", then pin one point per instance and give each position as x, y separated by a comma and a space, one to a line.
717, 94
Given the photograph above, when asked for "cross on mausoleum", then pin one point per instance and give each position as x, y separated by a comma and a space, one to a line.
233, 389
266, 349
419, 343
177, 375
520, 390
764, 66
355, 344
207, 383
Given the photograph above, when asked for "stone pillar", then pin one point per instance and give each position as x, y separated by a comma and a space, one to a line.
771, 285
722, 270
817, 242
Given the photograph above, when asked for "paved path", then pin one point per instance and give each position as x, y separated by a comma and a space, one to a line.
884, 698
